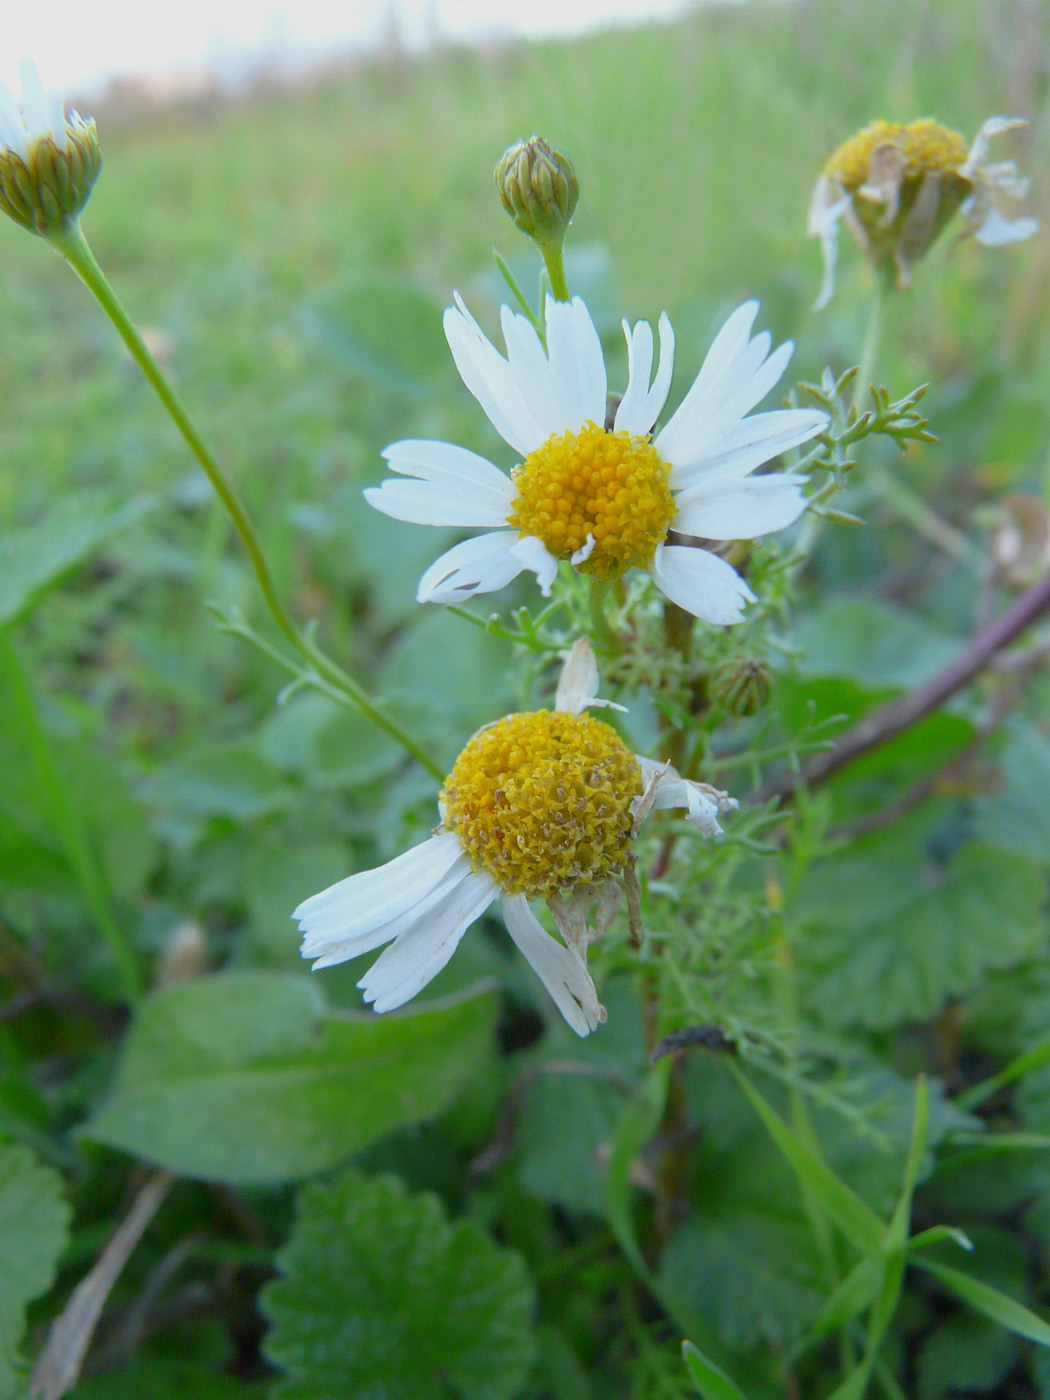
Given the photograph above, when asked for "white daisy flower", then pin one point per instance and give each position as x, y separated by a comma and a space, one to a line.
896, 187
606, 499
48, 160
540, 805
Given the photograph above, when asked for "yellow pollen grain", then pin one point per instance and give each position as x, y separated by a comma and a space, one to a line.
611, 486
925, 145
541, 801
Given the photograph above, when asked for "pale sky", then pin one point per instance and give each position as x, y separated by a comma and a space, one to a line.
78, 43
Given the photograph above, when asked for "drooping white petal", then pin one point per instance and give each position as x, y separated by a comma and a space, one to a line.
491, 380
701, 583
376, 896
483, 564
978, 153
532, 554
641, 404
750, 443
826, 208
451, 487
562, 972
741, 510
701, 803
577, 365
996, 229
419, 954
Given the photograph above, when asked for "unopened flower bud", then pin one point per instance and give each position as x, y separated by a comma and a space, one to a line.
48, 161
741, 686
539, 190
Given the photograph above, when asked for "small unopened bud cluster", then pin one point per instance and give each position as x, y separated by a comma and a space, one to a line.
539, 190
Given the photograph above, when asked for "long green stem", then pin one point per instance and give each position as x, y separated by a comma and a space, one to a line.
65, 818
72, 245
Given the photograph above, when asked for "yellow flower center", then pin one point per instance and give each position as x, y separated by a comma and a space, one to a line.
609, 488
926, 147
541, 801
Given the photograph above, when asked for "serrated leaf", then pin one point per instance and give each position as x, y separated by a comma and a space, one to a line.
890, 940
34, 1227
382, 1297
1017, 816
36, 557
245, 1077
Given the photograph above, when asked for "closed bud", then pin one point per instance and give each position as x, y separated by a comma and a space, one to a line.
539, 190
48, 161
741, 686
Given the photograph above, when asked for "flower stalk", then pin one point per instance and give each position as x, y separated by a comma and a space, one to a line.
69, 242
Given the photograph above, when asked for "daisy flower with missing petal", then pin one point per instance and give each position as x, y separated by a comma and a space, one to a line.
896, 188
540, 805
605, 499
48, 160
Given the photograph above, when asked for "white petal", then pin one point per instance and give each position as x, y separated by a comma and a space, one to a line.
419, 954
452, 486
997, 230
578, 683
562, 972
532, 371
12, 127
380, 894
674, 791
701, 583
741, 510
483, 564
978, 154
491, 380
34, 100
56, 118
641, 405
719, 367
532, 554
753, 441
577, 365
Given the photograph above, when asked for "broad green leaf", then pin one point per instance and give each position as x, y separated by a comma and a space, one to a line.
382, 1297
861, 1226
856, 1292
639, 1122
984, 1299
889, 941
244, 1077
34, 1227
231, 782
563, 1123
1016, 816
36, 557
710, 1380
964, 1356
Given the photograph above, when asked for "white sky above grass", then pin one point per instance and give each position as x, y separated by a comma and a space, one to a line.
78, 44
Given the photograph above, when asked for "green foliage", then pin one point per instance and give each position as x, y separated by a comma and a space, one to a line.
382, 1296
34, 1229
245, 1077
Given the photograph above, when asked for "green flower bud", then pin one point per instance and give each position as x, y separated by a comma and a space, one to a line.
539, 190
48, 161
741, 686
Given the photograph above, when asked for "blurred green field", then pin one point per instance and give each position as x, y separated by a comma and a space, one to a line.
291, 253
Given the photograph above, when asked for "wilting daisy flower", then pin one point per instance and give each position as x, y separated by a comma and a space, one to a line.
48, 161
606, 499
896, 187
540, 805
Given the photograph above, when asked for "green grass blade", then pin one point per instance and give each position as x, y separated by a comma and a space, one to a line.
857, 1221
1014, 1316
710, 1380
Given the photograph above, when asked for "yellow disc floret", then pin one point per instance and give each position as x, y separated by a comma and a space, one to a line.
926, 147
602, 493
541, 801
